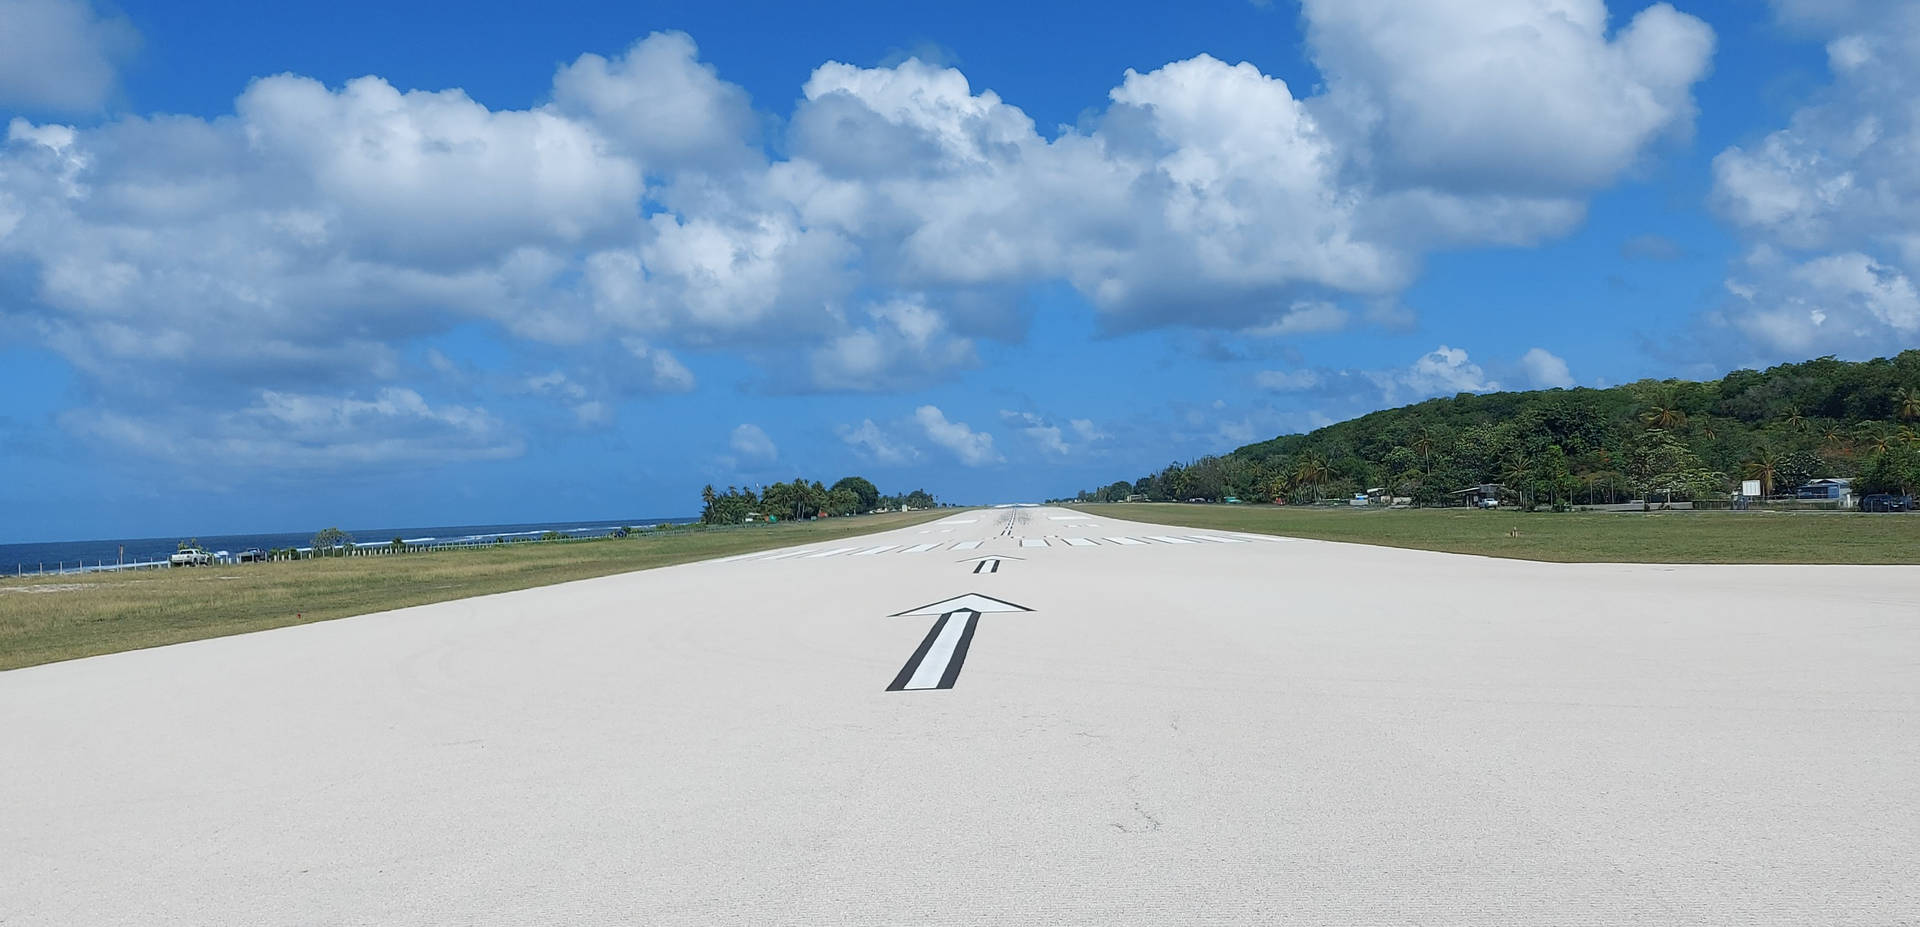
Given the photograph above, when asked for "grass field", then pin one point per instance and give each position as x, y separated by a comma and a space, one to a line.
63, 617
1658, 537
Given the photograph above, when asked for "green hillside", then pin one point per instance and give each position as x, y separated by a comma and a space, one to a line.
1651, 439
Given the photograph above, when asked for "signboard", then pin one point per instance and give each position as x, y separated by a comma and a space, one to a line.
1750, 488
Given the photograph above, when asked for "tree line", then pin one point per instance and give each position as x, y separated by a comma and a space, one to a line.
1650, 440
801, 499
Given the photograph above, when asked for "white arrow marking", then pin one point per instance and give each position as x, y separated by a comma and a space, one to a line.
972, 601
936, 664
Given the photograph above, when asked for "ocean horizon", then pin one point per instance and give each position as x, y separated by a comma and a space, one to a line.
49, 555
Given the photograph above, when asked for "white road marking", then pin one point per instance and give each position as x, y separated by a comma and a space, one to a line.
790, 554
958, 521
829, 553
1215, 539
966, 545
1033, 542
874, 550
937, 663
1169, 539
970, 602
1080, 542
1132, 542
933, 665
919, 548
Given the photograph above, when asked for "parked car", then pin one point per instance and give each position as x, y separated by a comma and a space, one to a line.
252, 555
190, 556
1886, 502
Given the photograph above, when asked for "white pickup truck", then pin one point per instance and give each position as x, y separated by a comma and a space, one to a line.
190, 556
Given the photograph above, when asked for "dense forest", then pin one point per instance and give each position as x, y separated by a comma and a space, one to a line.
1654, 439
800, 499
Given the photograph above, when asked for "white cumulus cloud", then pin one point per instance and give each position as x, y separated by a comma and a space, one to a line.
876, 444
312, 432
1545, 369
60, 55
323, 234
973, 448
751, 442
1830, 203
1044, 434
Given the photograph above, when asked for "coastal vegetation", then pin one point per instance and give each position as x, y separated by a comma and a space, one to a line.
52, 618
801, 500
1654, 440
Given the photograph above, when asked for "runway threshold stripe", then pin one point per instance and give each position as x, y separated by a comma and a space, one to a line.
875, 550
1169, 539
1215, 539
966, 545
919, 548
1033, 542
790, 554
1131, 542
1080, 542
829, 553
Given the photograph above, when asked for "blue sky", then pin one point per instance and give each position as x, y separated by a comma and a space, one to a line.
265, 268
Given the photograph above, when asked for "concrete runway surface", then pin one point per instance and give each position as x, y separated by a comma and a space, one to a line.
1144, 725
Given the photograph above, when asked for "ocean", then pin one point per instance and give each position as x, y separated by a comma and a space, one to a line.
29, 558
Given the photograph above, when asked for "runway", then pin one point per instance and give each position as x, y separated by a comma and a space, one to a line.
1009, 716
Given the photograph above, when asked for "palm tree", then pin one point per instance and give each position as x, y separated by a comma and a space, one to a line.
1906, 402
1906, 435
1833, 435
1517, 473
1879, 441
1422, 444
1311, 470
1792, 417
1664, 411
1708, 429
1763, 469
